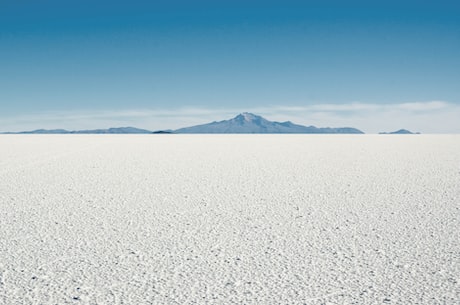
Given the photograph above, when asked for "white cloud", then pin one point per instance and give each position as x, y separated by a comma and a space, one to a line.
427, 106
426, 117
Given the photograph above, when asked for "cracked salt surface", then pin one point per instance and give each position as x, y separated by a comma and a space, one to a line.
229, 219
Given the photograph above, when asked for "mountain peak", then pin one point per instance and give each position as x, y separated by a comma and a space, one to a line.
247, 117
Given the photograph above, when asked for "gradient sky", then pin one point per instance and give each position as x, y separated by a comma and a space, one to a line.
167, 64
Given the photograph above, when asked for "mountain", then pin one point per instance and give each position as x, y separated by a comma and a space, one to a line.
119, 130
42, 131
251, 123
242, 123
401, 131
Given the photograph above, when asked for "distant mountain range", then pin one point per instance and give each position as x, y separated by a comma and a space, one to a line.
242, 123
251, 123
119, 130
401, 131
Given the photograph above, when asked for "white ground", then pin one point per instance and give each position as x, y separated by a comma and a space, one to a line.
229, 219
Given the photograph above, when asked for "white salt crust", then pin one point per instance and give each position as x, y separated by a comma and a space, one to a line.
229, 219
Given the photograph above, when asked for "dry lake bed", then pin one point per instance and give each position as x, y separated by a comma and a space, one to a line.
229, 219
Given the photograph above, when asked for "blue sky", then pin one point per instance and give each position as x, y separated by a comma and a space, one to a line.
168, 64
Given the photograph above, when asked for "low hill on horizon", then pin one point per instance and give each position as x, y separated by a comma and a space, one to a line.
401, 131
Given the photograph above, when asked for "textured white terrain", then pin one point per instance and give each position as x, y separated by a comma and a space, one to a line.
229, 219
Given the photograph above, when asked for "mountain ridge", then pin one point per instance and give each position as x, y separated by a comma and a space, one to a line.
113, 130
250, 123
243, 123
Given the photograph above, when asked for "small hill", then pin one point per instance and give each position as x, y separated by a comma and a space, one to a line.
401, 131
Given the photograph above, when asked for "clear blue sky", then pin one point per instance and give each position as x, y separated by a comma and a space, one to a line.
128, 62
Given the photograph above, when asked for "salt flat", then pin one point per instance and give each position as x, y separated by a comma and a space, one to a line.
229, 219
